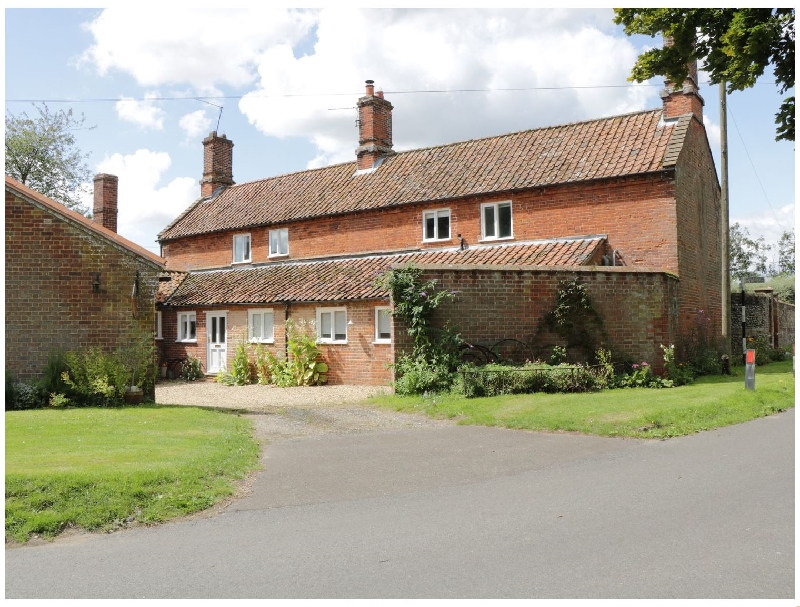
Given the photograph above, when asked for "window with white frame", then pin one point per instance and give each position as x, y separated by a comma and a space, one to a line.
383, 325
436, 225
159, 335
187, 326
241, 248
260, 326
332, 325
279, 242
496, 220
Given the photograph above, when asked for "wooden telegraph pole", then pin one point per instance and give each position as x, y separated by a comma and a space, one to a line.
725, 227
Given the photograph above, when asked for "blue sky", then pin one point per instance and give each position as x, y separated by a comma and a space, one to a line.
288, 81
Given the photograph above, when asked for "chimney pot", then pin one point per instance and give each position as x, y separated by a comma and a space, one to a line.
370, 87
105, 200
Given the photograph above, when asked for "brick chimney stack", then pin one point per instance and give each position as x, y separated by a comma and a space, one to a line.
685, 100
105, 200
374, 128
217, 163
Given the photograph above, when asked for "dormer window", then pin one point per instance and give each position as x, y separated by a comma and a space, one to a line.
241, 248
496, 221
279, 242
436, 225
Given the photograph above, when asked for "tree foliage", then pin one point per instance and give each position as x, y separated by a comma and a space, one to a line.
735, 44
41, 153
748, 256
786, 254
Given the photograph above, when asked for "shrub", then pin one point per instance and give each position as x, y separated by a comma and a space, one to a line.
416, 375
25, 396
679, 373
558, 355
51, 381
192, 368
241, 366
496, 379
95, 378
302, 367
700, 348
58, 401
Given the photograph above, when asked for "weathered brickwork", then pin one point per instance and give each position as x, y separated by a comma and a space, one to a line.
617, 208
492, 305
51, 301
698, 233
359, 361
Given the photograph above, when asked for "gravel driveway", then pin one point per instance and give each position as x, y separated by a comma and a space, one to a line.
287, 413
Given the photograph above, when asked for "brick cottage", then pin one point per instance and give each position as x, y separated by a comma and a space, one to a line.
628, 206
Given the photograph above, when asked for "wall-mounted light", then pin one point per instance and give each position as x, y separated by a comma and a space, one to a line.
349, 322
96, 282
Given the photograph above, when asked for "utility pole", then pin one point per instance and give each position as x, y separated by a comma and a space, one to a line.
725, 223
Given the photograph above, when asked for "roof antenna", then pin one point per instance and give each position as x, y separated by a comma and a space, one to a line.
215, 105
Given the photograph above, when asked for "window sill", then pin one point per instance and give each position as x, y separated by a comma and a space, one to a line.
239, 263
496, 239
158, 338
434, 240
331, 343
185, 341
382, 342
261, 341
278, 255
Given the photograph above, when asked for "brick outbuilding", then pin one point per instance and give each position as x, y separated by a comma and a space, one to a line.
71, 282
627, 205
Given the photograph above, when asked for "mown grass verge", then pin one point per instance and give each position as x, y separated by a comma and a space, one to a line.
710, 402
106, 468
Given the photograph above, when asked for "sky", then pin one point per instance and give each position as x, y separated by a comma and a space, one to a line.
282, 84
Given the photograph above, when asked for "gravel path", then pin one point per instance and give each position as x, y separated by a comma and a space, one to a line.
288, 413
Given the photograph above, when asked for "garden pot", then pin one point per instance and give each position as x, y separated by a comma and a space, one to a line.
134, 395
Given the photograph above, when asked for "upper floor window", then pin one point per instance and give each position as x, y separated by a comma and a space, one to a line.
332, 325
383, 325
260, 325
436, 225
279, 242
241, 248
187, 326
496, 220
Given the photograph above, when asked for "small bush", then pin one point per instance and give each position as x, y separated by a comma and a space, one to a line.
26, 396
192, 368
494, 379
95, 378
416, 375
241, 366
58, 401
679, 373
558, 355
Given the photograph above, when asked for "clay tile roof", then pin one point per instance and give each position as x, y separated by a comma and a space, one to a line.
167, 283
604, 148
353, 278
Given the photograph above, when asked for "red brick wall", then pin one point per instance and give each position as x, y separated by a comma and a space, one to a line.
619, 208
698, 237
50, 300
360, 361
492, 305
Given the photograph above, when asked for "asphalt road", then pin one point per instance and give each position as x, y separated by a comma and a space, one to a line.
465, 512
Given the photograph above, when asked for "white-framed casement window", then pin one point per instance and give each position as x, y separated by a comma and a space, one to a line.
383, 325
496, 220
260, 326
279, 242
241, 248
332, 325
159, 334
436, 225
187, 326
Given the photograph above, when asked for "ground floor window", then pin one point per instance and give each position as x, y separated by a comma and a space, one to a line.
159, 335
383, 325
260, 325
332, 325
187, 326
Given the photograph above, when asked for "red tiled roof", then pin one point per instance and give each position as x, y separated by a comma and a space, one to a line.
604, 148
352, 278
24, 192
167, 287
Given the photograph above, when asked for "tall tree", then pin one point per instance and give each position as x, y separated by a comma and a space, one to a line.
41, 153
786, 253
736, 45
748, 256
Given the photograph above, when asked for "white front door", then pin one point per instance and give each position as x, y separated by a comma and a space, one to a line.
216, 327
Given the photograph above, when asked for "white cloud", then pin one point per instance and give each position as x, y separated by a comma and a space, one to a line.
552, 61
713, 133
204, 47
145, 205
141, 113
770, 224
195, 123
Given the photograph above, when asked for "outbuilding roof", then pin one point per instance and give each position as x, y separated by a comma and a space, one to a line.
353, 278
612, 147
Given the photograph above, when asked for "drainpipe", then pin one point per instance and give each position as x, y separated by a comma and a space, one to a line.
285, 336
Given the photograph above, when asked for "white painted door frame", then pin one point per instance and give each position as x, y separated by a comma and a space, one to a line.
216, 339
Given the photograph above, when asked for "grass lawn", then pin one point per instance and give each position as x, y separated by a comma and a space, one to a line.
104, 468
708, 403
